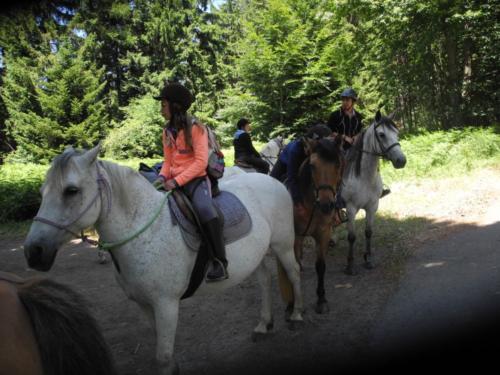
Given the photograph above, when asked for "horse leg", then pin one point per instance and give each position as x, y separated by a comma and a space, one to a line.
370, 218
298, 245
351, 237
290, 265
266, 319
322, 245
166, 316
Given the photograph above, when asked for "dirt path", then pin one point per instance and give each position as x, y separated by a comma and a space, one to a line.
213, 335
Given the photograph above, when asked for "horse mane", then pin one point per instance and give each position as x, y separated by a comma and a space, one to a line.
354, 155
68, 336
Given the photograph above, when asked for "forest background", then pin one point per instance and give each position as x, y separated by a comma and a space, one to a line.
76, 72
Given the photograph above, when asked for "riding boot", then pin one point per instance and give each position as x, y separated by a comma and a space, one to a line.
385, 192
218, 265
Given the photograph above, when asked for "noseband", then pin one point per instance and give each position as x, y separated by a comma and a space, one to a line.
102, 184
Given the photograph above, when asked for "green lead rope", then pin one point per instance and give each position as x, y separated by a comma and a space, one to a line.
110, 245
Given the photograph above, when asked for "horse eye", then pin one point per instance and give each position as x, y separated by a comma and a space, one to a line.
70, 190
381, 135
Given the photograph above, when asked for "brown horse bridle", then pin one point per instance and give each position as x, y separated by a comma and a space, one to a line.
102, 184
317, 189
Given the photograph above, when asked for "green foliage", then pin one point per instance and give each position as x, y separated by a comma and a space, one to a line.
442, 154
139, 135
20, 190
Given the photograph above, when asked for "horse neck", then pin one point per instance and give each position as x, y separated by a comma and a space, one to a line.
369, 160
133, 200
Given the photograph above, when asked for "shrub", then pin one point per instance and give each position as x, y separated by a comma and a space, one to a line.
20, 190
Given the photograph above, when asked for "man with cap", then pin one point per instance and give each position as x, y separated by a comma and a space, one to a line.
346, 122
185, 149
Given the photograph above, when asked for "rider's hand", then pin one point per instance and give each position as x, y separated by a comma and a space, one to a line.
171, 184
158, 183
348, 139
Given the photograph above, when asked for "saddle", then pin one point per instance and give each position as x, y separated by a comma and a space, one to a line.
236, 225
243, 164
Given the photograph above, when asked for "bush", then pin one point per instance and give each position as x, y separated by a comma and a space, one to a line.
139, 136
20, 190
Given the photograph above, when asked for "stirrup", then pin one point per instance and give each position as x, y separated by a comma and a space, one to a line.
224, 275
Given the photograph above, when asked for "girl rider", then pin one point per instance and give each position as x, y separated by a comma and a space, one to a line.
185, 149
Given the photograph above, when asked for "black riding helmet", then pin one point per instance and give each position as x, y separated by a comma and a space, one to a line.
176, 93
349, 93
318, 131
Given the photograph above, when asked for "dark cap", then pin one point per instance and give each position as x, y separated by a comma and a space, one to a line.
176, 93
349, 93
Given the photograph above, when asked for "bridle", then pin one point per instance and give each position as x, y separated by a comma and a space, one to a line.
102, 185
384, 150
268, 158
317, 189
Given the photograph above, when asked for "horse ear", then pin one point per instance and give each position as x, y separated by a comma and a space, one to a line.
91, 155
391, 116
378, 116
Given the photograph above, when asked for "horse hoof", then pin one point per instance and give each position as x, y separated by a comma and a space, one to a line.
288, 312
322, 308
259, 336
368, 265
350, 271
295, 325
270, 325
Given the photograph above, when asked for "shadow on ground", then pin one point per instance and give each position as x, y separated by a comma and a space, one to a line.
213, 335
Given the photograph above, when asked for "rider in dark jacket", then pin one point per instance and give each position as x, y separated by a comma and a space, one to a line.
345, 121
244, 150
292, 157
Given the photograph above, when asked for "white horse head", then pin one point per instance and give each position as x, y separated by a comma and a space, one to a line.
70, 201
383, 138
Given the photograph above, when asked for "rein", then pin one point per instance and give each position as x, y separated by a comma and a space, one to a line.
101, 244
317, 189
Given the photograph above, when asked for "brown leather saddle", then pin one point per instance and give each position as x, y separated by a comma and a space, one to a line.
236, 225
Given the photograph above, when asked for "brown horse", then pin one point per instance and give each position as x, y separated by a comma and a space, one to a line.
319, 176
46, 328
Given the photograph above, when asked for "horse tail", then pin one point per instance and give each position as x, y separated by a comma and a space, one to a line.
68, 336
286, 287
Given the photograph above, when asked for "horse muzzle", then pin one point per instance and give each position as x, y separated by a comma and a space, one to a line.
39, 257
399, 162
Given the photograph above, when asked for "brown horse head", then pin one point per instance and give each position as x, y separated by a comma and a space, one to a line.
322, 171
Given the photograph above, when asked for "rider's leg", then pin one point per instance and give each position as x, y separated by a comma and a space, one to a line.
258, 163
199, 192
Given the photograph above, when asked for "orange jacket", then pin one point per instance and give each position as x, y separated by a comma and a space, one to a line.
181, 162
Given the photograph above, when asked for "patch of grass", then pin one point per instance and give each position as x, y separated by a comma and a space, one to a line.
445, 154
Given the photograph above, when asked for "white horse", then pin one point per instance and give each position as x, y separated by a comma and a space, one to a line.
153, 264
361, 181
269, 152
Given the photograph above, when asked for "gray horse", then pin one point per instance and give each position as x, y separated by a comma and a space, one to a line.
361, 182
